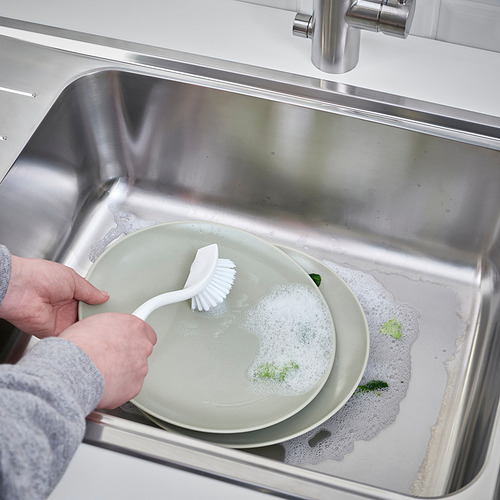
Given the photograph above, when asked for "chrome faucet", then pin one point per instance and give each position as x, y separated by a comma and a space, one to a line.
335, 28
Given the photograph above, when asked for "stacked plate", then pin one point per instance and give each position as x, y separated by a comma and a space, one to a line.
276, 359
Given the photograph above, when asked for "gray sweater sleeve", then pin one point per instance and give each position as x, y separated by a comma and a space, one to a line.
44, 400
5, 264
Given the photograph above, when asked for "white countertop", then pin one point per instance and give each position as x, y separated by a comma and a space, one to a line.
227, 29
417, 67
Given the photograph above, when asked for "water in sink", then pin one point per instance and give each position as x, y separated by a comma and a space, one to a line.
366, 414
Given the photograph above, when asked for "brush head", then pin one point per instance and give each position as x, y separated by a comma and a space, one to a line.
208, 284
217, 288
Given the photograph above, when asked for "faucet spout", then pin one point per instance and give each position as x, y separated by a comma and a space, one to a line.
335, 28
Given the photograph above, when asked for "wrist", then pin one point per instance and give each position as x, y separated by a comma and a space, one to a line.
69, 375
5, 272
13, 302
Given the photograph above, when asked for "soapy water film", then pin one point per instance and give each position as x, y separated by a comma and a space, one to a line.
365, 414
125, 224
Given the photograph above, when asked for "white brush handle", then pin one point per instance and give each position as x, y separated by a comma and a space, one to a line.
144, 310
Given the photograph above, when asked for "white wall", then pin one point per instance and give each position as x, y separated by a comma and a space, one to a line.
475, 23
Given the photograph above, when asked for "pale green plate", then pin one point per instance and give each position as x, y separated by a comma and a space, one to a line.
352, 349
198, 372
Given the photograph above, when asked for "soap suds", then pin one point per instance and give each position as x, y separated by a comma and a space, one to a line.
365, 414
126, 223
295, 337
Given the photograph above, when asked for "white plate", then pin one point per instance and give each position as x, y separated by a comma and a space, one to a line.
199, 370
352, 349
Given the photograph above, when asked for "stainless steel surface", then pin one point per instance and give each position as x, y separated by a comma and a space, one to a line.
335, 24
403, 190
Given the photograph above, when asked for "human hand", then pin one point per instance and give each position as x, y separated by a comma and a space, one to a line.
42, 297
118, 344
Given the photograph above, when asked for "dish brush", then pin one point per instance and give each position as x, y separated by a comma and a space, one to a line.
210, 280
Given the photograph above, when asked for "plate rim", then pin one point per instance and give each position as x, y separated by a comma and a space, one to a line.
256, 443
229, 232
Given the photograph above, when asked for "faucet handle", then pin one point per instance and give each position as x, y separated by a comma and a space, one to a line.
302, 25
396, 17
392, 17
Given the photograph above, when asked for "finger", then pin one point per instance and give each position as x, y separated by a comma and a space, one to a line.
88, 293
152, 336
142, 327
150, 333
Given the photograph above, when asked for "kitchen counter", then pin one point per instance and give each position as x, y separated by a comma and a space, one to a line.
416, 68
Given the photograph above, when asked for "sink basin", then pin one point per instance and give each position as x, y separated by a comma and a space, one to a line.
403, 192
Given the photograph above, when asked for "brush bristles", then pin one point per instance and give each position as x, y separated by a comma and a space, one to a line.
218, 288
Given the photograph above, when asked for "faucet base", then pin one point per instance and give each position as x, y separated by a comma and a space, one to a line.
335, 25
335, 44
340, 57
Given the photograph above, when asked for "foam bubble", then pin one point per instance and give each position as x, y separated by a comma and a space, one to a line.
366, 414
125, 224
295, 340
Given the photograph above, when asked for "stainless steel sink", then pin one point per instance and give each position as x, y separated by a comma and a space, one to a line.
404, 191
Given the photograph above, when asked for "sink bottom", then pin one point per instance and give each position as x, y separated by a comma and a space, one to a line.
435, 351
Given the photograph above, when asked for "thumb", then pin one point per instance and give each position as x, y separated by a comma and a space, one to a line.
88, 293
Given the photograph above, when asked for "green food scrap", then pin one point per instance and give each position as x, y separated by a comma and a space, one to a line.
392, 328
373, 385
316, 278
274, 372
